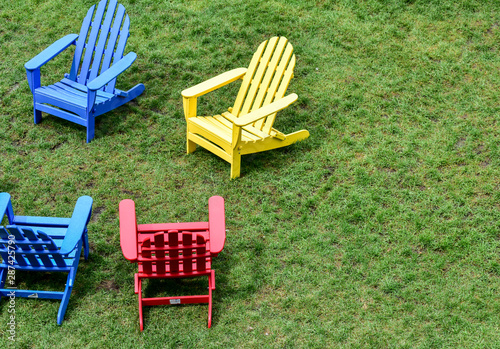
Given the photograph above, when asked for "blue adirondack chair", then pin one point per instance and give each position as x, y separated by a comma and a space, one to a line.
44, 244
89, 89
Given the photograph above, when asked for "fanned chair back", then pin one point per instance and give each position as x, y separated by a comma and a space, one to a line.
32, 250
266, 80
175, 253
102, 40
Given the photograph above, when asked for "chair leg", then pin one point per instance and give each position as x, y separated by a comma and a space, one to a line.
37, 115
211, 286
85, 245
141, 319
191, 146
3, 276
65, 298
34, 82
90, 127
235, 166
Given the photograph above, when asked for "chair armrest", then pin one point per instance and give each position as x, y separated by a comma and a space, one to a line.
216, 224
269, 109
6, 207
128, 229
42, 221
112, 72
77, 224
50, 52
214, 83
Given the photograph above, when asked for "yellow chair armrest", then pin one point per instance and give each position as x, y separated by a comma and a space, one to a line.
266, 110
214, 83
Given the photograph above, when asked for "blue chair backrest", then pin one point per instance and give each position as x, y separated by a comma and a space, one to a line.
30, 249
101, 40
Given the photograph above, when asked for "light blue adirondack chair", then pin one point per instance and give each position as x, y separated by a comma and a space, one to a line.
44, 244
89, 89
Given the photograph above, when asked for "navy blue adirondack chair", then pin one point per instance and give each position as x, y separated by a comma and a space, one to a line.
44, 244
89, 89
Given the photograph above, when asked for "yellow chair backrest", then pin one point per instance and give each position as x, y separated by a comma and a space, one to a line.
266, 80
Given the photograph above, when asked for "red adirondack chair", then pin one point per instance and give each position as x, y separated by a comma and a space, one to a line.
173, 250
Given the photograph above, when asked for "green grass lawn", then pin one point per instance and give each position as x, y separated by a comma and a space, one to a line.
382, 229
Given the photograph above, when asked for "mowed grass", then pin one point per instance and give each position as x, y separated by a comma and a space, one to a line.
382, 229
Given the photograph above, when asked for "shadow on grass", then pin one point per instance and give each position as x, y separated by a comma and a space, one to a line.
107, 124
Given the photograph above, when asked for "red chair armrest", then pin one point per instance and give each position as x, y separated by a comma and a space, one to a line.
128, 229
216, 224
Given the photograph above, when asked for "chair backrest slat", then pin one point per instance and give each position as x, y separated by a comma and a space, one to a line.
4, 246
38, 247
91, 42
110, 47
247, 79
32, 249
80, 44
180, 251
160, 254
265, 88
30, 245
173, 241
279, 85
257, 76
201, 264
187, 252
120, 48
52, 247
266, 80
21, 246
21, 243
101, 42
103, 36
147, 266
287, 77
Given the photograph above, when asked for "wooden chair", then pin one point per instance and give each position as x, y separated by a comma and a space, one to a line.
248, 126
89, 89
173, 250
43, 244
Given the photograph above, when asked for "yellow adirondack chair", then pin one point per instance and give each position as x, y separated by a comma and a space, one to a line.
248, 126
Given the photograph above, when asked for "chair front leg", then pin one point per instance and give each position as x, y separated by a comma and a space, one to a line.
141, 319
91, 96
85, 245
235, 156
235, 164
190, 109
34, 82
211, 286
3, 276
190, 145
65, 298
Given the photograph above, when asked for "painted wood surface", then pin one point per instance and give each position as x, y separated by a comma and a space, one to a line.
173, 250
43, 244
247, 127
89, 89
